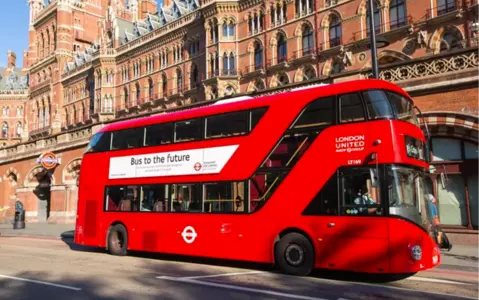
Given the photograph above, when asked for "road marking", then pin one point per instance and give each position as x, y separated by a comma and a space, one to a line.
239, 288
41, 282
220, 275
435, 280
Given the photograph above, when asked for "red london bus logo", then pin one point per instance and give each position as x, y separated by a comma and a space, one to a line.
197, 166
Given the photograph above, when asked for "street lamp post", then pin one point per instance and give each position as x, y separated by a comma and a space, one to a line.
374, 56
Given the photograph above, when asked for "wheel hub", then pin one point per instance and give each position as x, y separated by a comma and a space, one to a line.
294, 255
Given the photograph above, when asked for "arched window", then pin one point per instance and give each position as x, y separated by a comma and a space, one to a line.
334, 31
231, 28
137, 87
150, 88
232, 65
258, 56
126, 97
308, 46
19, 129
282, 50
194, 77
377, 19
397, 13
164, 85
225, 30
5, 130
225, 64
449, 41
179, 80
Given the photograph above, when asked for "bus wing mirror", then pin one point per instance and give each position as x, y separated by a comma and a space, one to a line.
374, 177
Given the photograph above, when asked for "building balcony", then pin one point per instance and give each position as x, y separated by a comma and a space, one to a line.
305, 54
253, 70
38, 130
449, 10
277, 63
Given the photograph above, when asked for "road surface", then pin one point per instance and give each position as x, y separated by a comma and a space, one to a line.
46, 269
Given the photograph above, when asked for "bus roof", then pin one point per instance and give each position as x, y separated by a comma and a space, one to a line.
302, 94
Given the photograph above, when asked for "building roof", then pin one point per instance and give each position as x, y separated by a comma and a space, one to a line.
165, 15
14, 81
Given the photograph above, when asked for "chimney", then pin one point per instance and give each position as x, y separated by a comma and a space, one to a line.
12, 58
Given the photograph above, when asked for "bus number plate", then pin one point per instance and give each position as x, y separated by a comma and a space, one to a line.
354, 162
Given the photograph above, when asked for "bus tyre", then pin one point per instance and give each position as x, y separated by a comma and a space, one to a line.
294, 254
118, 240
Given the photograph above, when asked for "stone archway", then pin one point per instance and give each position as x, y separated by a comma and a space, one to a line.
453, 124
40, 181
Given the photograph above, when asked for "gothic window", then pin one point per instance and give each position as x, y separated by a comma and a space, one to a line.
282, 50
334, 31
125, 97
397, 13
225, 30
307, 38
258, 56
5, 130
225, 64
179, 80
194, 77
19, 129
232, 64
231, 30
150, 88
164, 85
377, 19
138, 91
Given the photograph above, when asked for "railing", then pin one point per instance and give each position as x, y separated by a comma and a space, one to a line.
229, 72
304, 52
400, 22
252, 68
363, 34
280, 59
435, 65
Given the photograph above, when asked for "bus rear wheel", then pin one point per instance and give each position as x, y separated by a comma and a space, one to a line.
294, 254
118, 240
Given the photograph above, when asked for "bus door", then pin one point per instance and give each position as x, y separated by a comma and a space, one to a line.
358, 239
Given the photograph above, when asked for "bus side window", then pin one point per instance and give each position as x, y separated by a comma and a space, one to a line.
318, 113
358, 196
326, 200
351, 108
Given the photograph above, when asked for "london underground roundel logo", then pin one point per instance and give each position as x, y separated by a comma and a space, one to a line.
189, 234
197, 166
48, 160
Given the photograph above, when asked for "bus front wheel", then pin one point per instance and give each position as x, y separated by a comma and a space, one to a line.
294, 254
118, 240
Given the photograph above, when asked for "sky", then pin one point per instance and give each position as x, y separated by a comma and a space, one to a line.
14, 18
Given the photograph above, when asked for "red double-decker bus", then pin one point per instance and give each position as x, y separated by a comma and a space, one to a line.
323, 177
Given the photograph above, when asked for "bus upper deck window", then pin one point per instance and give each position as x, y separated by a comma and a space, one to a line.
378, 105
403, 107
351, 108
100, 142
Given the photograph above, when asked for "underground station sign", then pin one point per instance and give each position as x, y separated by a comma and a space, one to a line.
48, 160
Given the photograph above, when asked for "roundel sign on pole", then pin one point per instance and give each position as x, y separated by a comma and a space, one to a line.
48, 160
189, 234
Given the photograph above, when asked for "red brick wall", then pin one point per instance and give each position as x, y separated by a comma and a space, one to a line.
465, 100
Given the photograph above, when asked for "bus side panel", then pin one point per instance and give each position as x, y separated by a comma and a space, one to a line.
403, 236
353, 243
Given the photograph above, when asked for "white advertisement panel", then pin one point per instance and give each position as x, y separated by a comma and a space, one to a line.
186, 162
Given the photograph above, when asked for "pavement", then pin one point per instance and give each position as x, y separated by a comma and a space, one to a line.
42, 262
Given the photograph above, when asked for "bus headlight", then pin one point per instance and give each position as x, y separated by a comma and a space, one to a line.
416, 252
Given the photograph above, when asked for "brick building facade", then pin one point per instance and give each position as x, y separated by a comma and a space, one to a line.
91, 62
